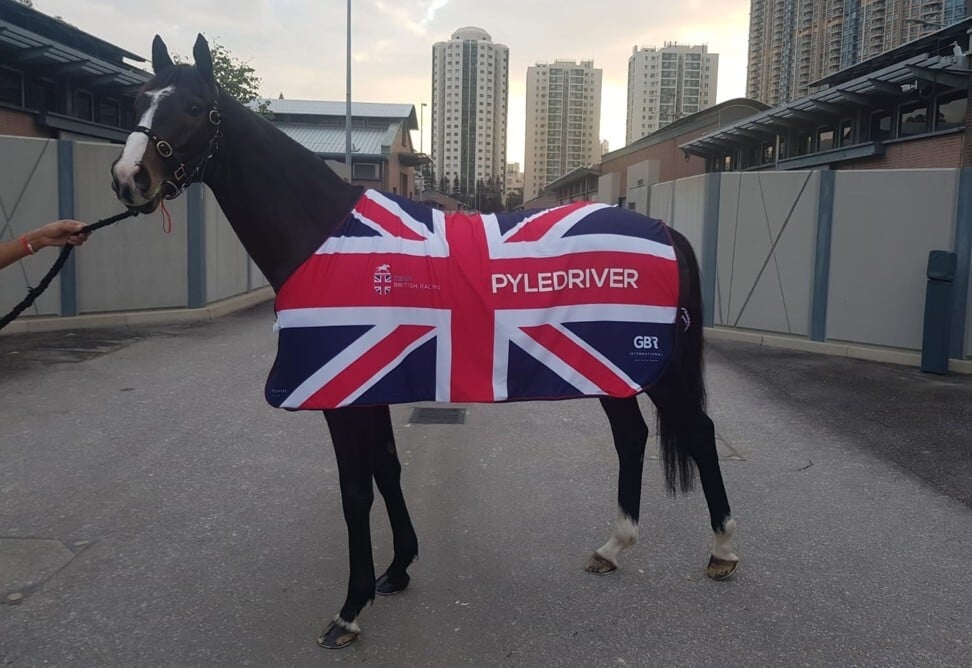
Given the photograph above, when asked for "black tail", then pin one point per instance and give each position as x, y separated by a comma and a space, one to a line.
681, 402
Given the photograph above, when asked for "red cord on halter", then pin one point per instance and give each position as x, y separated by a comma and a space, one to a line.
166, 219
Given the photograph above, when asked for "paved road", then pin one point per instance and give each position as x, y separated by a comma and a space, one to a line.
155, 512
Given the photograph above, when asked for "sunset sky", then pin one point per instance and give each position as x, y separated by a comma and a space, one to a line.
297, 47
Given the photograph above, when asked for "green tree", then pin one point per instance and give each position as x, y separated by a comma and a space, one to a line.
235, 77
514, 199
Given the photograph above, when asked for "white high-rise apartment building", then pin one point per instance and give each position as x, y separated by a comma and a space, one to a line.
470, 89
563, 121
667, 84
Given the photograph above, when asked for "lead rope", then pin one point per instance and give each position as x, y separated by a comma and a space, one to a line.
34, 293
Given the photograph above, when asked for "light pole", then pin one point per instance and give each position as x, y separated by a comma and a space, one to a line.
347, 109
422, 125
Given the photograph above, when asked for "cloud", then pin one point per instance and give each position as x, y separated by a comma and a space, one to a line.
430, 11
297, 47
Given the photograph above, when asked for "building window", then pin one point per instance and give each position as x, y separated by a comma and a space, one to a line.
846, 133
914, 119
804, 142
11, 87
768, 153
950, 110
84, 106
880, 127
825, 138
365, 170
43, 96
108, 113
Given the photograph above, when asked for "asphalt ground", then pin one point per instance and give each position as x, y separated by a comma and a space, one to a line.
155, 512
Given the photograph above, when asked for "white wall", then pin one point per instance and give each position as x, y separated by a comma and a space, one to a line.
133, 264
767, 235
681, 204
641, 177
885, 222
28, 199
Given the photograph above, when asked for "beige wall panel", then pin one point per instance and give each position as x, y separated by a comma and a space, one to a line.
132, 265
885, 222
226, 261
767, 237
28, 199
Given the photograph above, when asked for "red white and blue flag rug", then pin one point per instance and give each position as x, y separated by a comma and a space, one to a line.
405, 303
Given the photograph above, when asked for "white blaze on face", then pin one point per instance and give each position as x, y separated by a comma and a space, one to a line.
137, 142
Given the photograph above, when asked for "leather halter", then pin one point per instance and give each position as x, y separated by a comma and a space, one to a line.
181, 176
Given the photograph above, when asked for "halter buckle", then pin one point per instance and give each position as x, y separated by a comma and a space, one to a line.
214, 117
164, 148
173, 188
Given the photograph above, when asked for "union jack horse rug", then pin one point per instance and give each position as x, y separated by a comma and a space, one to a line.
405, 303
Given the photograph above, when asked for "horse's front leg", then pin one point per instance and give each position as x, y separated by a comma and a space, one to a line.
630, 437
350, 435
387, 471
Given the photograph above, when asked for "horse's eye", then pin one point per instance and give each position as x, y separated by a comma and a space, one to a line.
195, 110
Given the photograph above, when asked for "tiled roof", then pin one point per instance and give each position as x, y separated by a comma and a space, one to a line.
331, 140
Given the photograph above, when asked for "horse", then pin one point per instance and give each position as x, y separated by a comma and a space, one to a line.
284, 203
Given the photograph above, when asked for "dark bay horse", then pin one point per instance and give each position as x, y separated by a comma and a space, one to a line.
283, 202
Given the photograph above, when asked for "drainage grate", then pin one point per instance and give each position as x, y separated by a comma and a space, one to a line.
438, 416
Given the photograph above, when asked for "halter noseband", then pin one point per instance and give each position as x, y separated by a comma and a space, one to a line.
181, 176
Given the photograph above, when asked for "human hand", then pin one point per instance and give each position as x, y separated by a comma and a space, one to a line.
59, 233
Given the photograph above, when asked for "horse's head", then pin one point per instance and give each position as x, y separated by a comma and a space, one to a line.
177, 130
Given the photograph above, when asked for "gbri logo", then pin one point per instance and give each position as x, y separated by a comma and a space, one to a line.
383, 279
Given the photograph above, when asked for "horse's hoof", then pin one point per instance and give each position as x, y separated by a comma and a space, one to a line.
388, 586
599, 565
338, 634
720, 569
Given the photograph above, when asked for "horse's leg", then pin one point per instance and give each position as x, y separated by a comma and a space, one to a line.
687, 431
722, 561
350, 434
630, 436
387, 471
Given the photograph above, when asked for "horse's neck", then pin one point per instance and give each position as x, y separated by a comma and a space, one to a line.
281, 199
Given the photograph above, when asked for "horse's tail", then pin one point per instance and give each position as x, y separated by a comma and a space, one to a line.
683, 401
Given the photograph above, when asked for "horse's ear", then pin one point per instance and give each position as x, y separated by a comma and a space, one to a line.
160, 55
204, 59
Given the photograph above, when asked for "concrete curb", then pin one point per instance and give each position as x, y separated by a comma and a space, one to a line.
136, 318
835, 348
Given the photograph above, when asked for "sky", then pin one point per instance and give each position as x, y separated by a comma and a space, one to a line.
298, 47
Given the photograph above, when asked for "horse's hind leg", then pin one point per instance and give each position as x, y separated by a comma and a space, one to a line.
722, 561
630, 436
686, 429
387, 471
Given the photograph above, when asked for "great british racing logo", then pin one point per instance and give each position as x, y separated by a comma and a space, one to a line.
383, 279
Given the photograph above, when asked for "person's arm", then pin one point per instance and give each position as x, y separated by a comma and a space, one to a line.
58, 233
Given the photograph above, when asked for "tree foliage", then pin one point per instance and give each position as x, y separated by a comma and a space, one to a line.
234, 76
